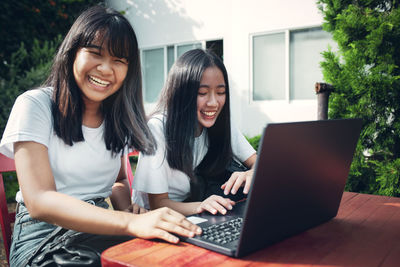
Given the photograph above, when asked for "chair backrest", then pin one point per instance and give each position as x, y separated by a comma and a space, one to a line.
129, 172
6, 165
129, 167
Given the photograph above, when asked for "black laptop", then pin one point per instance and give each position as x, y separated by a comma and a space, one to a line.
298, 182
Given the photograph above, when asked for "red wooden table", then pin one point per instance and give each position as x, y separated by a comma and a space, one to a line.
366, 232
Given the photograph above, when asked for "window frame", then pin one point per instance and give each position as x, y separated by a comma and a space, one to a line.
165, 50
142, 69
286, 32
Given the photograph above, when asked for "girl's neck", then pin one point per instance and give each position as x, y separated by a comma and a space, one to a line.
199, 130
92, 116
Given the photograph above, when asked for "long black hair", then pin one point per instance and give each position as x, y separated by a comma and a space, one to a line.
179, 101
123, 112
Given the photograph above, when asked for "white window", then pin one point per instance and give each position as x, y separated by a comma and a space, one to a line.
170, 56
181, 49
286, 65
269, 67
156, 63
153, 73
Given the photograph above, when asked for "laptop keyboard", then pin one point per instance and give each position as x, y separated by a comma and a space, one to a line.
223, 233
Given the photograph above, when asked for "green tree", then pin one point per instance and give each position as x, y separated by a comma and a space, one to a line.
365, 74
26, 20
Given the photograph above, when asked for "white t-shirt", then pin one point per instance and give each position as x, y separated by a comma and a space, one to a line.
154, 175
85, 170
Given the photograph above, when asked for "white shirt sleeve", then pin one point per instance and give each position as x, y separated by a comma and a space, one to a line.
154, 175
241, 148
152, 170
30, 120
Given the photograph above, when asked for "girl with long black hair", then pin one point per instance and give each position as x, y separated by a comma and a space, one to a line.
70, 140
195, 140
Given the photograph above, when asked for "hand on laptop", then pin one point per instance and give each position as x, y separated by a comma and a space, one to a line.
215, 204
237, 180
163, 223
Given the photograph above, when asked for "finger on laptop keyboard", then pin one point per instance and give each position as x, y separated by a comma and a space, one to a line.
214, 204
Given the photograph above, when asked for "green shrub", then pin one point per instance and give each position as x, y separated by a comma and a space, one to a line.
388, 176
254, 141
366, 76
26, 20
19, 80
10, 186
133, 161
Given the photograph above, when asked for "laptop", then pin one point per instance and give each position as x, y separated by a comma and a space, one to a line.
298, 182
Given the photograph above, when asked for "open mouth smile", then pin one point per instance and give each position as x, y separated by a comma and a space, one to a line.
98, 82
209, 113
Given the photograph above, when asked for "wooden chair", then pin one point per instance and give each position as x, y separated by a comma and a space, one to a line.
6, 165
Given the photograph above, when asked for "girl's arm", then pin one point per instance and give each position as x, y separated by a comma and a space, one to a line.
239, 179
212, 204
121, 192
251, 161
46, 204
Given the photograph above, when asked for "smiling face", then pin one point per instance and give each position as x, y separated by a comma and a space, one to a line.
210, 98
97, 73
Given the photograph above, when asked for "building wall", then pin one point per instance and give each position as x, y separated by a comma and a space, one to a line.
164, 22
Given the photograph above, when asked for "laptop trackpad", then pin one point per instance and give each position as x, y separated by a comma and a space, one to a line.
196, 220
206, 218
